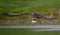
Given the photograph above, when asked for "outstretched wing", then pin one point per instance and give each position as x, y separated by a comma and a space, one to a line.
14, 14
35, 15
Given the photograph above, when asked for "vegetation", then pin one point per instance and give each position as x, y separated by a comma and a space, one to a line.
22, 6
45, 7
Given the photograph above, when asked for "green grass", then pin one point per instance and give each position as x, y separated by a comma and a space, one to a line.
23, 6
28, 5
45, 7
19, 31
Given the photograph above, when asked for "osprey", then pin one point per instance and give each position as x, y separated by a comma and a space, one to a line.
34, 15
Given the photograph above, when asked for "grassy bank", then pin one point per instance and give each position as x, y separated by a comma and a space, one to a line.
22, 6
45, 7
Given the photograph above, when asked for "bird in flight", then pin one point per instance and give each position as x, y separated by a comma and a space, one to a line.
34, 15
